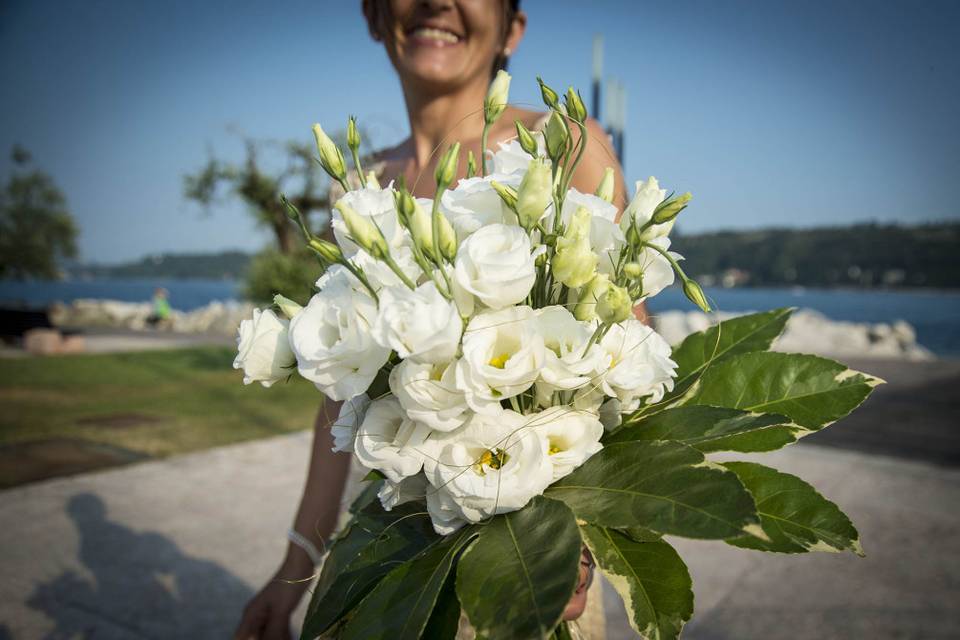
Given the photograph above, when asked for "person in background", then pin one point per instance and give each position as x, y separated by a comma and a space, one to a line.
445, 52
159, 318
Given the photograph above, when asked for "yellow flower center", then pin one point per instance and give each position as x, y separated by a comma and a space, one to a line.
494, 459
499, 361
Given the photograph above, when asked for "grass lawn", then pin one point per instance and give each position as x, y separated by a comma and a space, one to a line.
154, 403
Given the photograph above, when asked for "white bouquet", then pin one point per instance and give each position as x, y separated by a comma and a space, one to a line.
497, 385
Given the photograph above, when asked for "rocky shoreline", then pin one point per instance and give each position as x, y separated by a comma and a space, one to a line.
807, 331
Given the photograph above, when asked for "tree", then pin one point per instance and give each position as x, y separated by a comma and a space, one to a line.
300, 181
36, 230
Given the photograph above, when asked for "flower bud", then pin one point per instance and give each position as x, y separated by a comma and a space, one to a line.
586, 307
447, 167
556, 135
606, 186
353, 136
550, 97
507, 193
327, 250
694, 292
633, 270
575, 263
497, 96
421, 228
471, 164
614, 305
405, 206
527, 142
330, 157
287, 306
534, 194
575, 107
363, 231
670, 208
372, 182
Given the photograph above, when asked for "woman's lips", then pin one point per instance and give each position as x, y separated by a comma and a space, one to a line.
432, 37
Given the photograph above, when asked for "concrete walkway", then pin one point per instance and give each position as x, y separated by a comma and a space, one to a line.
173, 549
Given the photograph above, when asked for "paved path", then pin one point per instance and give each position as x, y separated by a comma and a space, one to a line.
173, 548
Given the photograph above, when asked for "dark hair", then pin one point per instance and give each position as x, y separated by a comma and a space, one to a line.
378, 11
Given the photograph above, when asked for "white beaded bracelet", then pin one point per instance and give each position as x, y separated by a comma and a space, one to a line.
308, 547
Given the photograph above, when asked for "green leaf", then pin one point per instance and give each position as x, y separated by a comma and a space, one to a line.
374, 542
517, 578
713, 429
400, 606
812, 391
650, 577
698, 351
664, 486
639, 534
794, 516
445, 620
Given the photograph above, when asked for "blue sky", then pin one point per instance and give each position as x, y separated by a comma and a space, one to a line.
771, 113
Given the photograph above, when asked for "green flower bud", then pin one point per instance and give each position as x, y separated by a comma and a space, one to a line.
550, 97
534, 194
541, 260
405, 206
670, 208
372, 182
363, 231
556, 134
287, 306
421, 228
497, 96
586, 307
614, 305
606, 186
447, 167
353, 136
575, 263
633, 270
327, 250
694, 292
471, 164
575, 107
330, 157
507, 193
527, 142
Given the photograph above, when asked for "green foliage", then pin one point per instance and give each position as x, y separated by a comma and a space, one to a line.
516, 579
859, 255
650, 577
272, 272
225, 264
651, 478
36, 229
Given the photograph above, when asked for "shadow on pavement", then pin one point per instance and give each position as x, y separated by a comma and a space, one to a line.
144, 585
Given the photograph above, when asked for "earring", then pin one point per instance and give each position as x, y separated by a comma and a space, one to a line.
507, 51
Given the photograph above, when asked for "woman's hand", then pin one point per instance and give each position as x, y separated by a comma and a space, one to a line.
267, 615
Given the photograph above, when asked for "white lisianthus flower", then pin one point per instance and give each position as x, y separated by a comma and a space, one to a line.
496, 266
411, 488
389, 441
657, 271
610, 414
503, 353
569, 364
263, 350
606, 237
332, 342
444, 512
420, 325
344, 428
572, 437
491, 465
511, 159
429, 394
640, 210
378, 274
378, 206
474, 204
639, 364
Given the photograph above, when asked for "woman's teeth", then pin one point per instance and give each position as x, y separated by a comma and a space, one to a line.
436, 34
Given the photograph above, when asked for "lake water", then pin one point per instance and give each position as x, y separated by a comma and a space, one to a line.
934, 314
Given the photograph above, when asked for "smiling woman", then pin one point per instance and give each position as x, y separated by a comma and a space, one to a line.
445, 53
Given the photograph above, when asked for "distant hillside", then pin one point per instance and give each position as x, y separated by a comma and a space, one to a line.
866, 255
224, 265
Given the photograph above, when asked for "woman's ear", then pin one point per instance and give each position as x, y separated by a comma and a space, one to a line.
515, 33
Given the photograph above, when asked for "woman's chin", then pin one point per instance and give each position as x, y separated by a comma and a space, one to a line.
576, 605
435, 66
